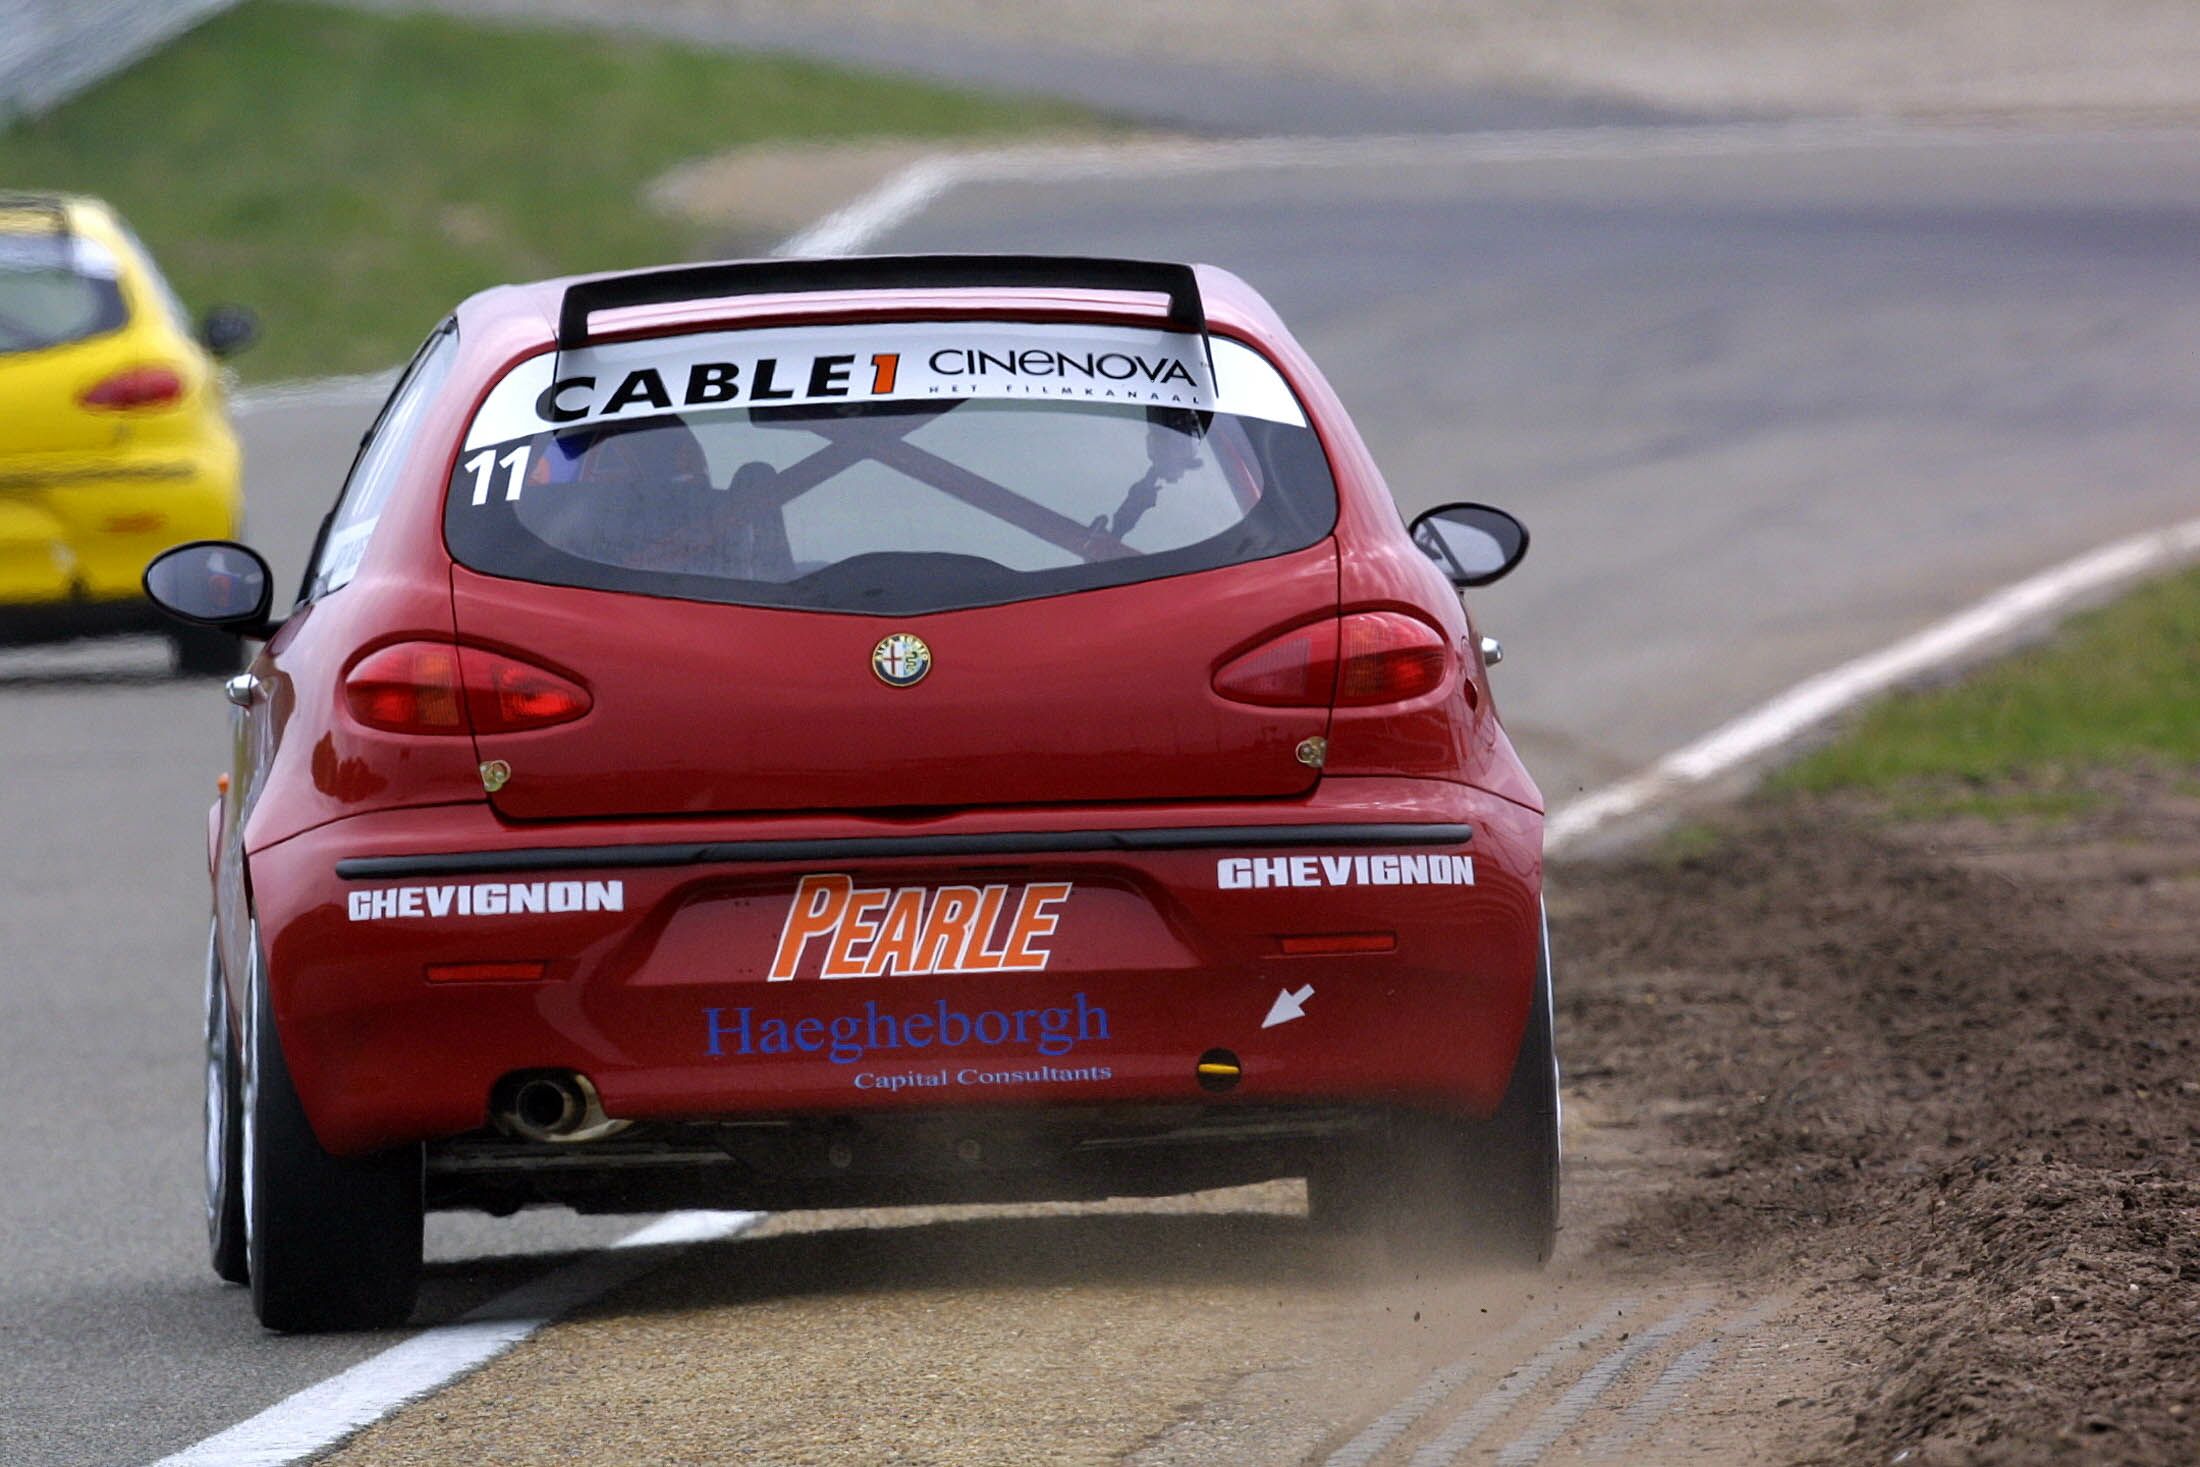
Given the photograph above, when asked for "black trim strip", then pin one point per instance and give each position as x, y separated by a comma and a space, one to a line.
878, 848
878, 272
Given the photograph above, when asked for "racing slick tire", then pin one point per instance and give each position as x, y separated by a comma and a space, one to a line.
224, 1127
1487, 1190
205, 652
1508, 1164
332, 1243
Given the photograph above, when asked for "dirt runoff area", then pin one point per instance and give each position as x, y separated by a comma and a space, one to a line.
1949, 1070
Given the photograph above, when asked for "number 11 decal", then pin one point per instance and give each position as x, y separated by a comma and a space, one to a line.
483, 466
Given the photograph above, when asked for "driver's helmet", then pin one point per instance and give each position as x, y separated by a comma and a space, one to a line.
646, 453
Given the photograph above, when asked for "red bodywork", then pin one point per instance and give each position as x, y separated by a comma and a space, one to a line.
1001, 741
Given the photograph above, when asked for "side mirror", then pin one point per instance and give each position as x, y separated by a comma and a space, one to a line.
213, 583
1472, 544
227, 330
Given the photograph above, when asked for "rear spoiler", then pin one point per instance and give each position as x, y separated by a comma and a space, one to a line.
1177, 283
52, 208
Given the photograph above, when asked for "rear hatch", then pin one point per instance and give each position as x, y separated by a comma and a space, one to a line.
61, 309
892, 566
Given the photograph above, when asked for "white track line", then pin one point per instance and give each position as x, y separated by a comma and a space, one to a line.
1377, 1436
322, 1415
1559, 1417
2029, 603
1491, 1408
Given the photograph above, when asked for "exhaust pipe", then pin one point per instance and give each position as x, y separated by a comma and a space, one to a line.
551, 1105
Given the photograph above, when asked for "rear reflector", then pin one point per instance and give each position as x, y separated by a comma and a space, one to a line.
1295, 670
135, 387
485, 972
1320, 943
437, 688
1365, 658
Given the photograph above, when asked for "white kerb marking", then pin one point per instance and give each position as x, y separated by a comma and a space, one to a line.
862, 219
1814, 700
322, 1415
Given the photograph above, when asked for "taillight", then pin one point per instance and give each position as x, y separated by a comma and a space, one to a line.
436, 688
412, 687
135, 387
1365, 658
1388, 658
506, 695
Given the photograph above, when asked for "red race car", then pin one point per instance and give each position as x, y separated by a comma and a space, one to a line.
865, 731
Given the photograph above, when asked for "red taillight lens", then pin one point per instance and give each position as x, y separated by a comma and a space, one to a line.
1364, 658
135, 387
436, 688
1388, 657
506, 695
412, 687
1295, 670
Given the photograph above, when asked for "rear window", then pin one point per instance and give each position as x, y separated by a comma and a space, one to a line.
886, 468
56, 289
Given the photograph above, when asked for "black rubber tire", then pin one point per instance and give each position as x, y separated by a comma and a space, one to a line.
1479, 1192
1511, 1161
205, 652
224, 1129
333, 1243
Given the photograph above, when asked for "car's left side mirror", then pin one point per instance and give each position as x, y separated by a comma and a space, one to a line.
227, 330
1472, 544
213, 583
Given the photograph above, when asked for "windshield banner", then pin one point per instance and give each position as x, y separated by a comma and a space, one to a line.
885, 362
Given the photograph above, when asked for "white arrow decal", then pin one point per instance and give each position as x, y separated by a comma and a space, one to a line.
1288, 1006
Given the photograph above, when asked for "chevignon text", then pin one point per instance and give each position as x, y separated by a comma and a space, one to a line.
1238, 873
486, 899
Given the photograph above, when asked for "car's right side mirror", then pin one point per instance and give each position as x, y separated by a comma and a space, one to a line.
1472, 544
212, 583
227, 330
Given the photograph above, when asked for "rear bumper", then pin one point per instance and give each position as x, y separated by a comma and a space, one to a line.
1028, 1154
76, 536
1113, 958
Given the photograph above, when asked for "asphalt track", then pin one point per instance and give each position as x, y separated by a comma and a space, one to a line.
1763, 412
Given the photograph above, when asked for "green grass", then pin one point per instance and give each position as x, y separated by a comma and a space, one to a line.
1688, 842
352, 176
2118, 687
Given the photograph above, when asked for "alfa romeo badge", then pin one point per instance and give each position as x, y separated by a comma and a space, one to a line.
901, 660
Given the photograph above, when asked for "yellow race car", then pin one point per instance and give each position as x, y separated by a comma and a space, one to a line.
114, 439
